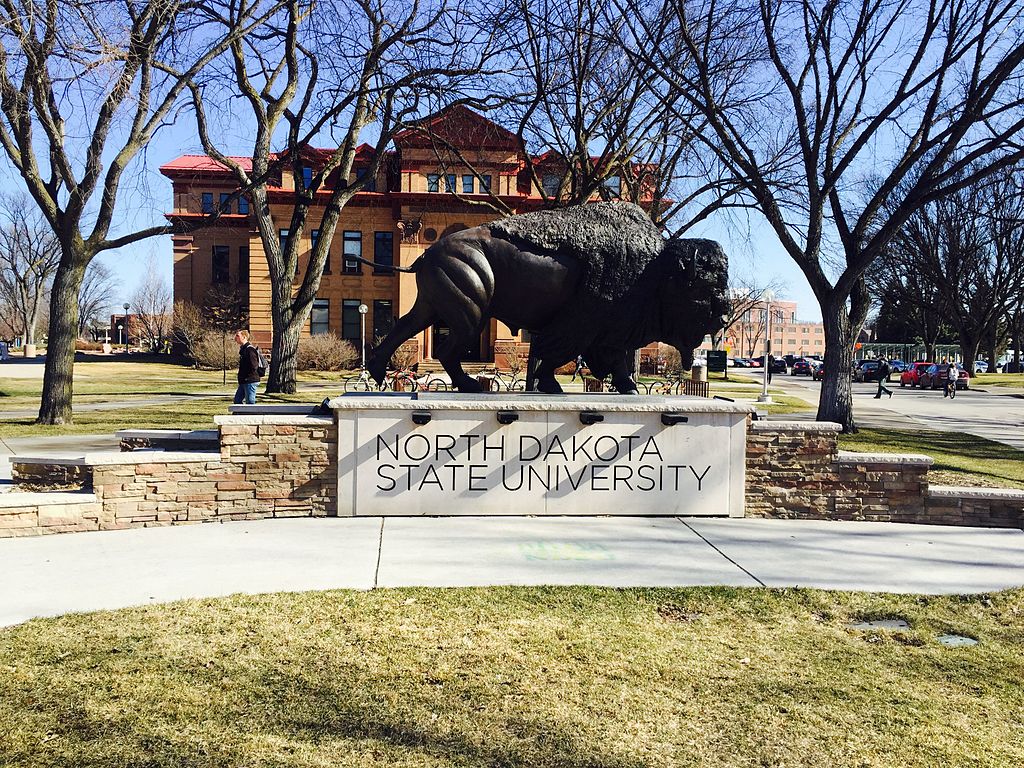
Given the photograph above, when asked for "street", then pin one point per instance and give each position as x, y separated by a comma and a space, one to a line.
995, 413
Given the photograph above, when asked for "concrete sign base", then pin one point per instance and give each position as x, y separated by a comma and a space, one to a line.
443, 454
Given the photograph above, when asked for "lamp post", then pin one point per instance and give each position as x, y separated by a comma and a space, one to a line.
363, 309
764, 397
120, 328
126, 305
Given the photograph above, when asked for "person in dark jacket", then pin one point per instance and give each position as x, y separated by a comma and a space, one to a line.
883, 377
248, 369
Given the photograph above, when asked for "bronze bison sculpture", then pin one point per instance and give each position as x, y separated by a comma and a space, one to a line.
597, 280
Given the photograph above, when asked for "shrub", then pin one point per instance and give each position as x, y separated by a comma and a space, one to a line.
326, 352
190, 329
82, 345
214, 350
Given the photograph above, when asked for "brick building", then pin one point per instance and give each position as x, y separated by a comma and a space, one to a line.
415, 199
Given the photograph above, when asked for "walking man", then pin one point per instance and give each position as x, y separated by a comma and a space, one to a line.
768, 364
883, 377
248, 369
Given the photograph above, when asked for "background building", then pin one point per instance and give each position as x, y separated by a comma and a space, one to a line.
414, 200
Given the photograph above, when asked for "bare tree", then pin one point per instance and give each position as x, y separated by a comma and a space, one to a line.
745, 296
29, 254
84, 87
804, 102
96, 296
151, 306
335, 68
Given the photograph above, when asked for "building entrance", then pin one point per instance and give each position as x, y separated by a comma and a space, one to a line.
439, 336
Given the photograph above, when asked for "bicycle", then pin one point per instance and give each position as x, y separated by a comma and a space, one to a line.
951, 388
361, 382
400, 381
505, 382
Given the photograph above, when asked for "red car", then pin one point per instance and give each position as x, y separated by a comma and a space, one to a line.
912, 376
934, 377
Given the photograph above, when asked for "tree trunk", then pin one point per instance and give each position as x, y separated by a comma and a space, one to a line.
969, 350
58, 375
284, 352
836, 401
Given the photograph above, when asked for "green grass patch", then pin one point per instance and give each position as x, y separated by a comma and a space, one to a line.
1015, 380
960, 458
556, 677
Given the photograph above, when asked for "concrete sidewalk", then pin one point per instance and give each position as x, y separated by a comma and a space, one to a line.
52, 575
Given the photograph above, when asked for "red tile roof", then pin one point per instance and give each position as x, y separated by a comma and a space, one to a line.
201, 163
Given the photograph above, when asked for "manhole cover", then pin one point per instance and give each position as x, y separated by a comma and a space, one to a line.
956, 641
894, 624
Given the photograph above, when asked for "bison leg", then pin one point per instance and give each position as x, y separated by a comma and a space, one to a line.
622, 374
419, 317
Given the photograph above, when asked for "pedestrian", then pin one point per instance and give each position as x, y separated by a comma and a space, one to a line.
580, 365
248, 369
769, 364
883, 376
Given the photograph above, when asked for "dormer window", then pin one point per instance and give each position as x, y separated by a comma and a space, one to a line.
485, 182
207, 202
371, 184
449, 183
433, 182
550, 183
307, 177
467, 184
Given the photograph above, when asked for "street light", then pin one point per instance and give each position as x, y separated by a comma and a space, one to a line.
764, 397
363, 309
126, 305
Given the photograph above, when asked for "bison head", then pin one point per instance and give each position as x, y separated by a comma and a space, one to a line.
693, 292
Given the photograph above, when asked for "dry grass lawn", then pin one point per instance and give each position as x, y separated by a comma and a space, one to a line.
556, 677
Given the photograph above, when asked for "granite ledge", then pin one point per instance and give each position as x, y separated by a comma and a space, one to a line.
852, 457
795, 426
24, 499
169, 434
275, 419
114, 458
972, 492
522, 403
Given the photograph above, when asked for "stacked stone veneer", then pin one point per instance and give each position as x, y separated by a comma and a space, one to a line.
796, 470
286, 466
266, 466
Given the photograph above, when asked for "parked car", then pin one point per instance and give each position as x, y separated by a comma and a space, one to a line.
778, 365
934, 377
866, 370
801, 367
980, 366
740, 362
755, 362
898, 366
819, 372
910, 376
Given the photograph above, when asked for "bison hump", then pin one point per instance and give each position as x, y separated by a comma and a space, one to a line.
614, 241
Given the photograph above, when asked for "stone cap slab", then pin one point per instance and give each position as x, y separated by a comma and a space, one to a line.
609, 403
45, 498
971, 492
795, 426
296, 409
852, 457
107, 458
280, 420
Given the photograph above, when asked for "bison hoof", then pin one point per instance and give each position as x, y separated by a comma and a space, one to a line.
469, 384
549, 386
377, 371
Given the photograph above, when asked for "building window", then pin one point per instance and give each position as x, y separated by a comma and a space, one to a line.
221, 256
282, 239
550, 184
383, 253
449, 183
352, 245
819, 343
243, 205
805, 342
371, 185
614, 186
467, 184
433, 181
207, 202
350, 320
383, 318
307, 177
243, 265
225, 202
319, 317
485, 183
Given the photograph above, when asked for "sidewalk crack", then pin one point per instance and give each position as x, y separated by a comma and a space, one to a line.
706, 541
380, 547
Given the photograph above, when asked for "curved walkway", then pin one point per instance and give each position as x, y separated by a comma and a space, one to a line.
53, 575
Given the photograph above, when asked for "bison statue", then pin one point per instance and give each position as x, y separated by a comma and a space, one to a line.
596, 279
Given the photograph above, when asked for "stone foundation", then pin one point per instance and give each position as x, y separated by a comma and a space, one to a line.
285, 465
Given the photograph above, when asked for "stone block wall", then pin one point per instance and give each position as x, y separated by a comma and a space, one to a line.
267, 466
796, 470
